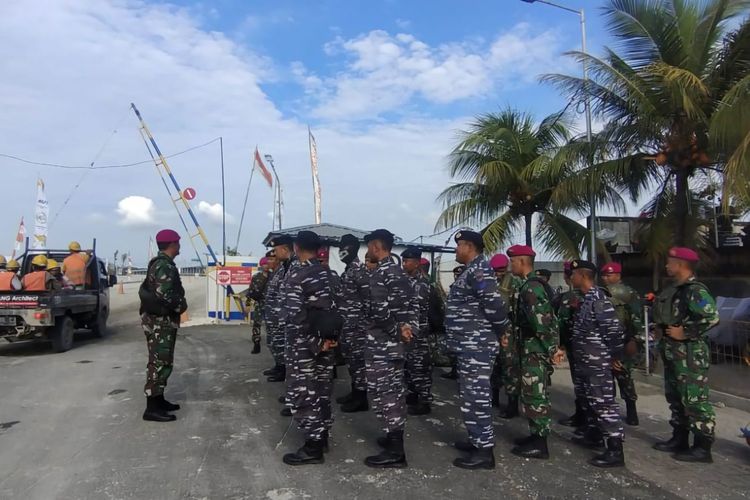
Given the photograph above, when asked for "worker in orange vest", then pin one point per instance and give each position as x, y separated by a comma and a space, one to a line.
38, 280
60, 281
74, 265
9, 281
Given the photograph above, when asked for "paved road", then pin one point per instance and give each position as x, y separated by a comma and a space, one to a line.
70, 428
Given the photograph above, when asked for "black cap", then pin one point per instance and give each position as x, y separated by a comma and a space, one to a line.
582, 264
380, 234
470, 236
545, 273
349, 240
411, 253
270, 253
307, 240
283, 239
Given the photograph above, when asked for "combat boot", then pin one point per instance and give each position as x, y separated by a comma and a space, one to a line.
282, 399
451, 375
155, 413
421, 408
592, 438
511, 409
326, 448
286, 412
699, 453
279, 376
534, 448
613, 457
464, 445
631, 417
345, 399
412, 398
392, 456
577, 419
272, 371
496, 397
310, 453
479, 458
524, 440
680, 441
256, 348
166, 405
357, 403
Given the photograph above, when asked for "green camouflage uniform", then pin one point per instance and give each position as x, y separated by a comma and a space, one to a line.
536, 330
507, 369
686, 362
160, 318
628, 307
254, 296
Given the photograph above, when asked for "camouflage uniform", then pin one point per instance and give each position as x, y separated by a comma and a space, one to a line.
161, 320
476, 316
351, 300
272, 311
310, 370
506, 372
391, 297
256, 293
418, 371
598, 338
536, 330
686, 362
567, 310
628, 307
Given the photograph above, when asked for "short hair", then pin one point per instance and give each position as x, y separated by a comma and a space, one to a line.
163, 245
387, 245
588, 273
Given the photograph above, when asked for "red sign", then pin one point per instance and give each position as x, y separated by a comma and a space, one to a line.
188, 193
234, 275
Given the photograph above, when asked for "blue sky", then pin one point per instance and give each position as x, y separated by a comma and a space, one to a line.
386, 86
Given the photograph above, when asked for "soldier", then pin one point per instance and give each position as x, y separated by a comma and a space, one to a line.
311, 329
424, 267
418, 362
162, 302
282, 246
476, 316
598, 340
506, 372
352, 303
391, 323
255, 294
453, 374
683, 313
628, 306
536, 331
567, 306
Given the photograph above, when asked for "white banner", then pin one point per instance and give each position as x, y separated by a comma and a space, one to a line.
20, 239
316, 181
41, 216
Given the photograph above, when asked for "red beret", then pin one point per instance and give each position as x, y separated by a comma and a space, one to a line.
566, 266
424, 262
167, 236
263, 261
499, 261
612, 268
682, 253
521, 251
323, 253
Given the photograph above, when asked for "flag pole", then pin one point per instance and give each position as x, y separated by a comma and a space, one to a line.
314, 167
244, 206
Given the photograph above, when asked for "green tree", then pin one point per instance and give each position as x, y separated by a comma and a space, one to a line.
675, 99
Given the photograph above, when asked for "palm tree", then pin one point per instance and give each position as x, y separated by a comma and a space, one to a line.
675, 100
502, 163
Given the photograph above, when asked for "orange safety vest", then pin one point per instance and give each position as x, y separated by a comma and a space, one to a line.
74, 267
6, 280
35, 282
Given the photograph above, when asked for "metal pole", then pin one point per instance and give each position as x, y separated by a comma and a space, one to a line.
648, 347
587, 106
223, 205
269, 159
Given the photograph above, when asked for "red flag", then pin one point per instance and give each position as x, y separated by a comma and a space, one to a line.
20, 237
263, 170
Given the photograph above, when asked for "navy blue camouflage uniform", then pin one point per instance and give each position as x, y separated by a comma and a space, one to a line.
476, 316
271, 310
418, 359
352, 303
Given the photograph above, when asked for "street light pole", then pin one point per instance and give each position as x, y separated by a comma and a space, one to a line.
280, 203
587, 112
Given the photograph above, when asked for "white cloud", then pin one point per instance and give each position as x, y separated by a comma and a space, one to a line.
137, 211
214, 212
403, 24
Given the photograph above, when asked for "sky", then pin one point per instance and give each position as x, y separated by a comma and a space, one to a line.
385, 86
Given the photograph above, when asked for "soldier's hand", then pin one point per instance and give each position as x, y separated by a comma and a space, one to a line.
631, 348
558, 357
676, 332
617, 365
329, 345
406, 333
505, 340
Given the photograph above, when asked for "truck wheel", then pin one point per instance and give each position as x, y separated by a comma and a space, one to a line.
62, 334
99, 326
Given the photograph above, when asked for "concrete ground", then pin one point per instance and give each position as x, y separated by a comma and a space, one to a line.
70, 428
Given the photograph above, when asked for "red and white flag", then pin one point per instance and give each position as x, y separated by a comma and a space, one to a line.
258, 162
20, 238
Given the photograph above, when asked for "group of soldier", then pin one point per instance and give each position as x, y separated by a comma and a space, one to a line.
504, 327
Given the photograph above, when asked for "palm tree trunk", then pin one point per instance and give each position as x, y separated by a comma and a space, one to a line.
682, 193
527, 220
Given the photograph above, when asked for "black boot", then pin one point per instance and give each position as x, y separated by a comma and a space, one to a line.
699, 453
282, 399
480, 458
680, 441
286, 412
464, 446
577, 419
631, 418
524, 440
357, 403
272, 371
592, 438
335, 373
166, 405
412, 398
534, 448
421, 408
154, 411
310, 453
496, 397
392, 456
451, 375
256, 348
345, 399
511, 409
279, 376
326, 448
613, 457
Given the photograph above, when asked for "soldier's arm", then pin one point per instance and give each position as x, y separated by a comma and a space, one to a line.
294, 305
610, 328
702, 313
635, 311
493, 306
379, 308
164, 276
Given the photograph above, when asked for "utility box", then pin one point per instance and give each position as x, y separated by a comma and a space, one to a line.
236, 276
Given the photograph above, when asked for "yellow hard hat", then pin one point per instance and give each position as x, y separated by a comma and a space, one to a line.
52, 264
74, 246
12, 265
2, 260
39, 260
